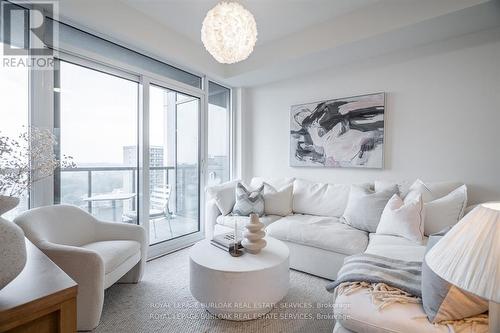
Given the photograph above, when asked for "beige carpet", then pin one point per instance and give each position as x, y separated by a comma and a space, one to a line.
162, 302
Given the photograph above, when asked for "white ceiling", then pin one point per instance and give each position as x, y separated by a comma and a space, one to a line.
275, 18
295, 36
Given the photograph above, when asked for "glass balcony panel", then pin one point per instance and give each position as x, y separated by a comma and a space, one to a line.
219, 118
174, 142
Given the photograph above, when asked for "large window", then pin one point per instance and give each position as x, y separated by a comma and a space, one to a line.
114, 109
14, 95
219, 136
97, 121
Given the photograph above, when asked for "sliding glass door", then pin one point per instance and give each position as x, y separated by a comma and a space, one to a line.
98, 111
97, 119
174, 168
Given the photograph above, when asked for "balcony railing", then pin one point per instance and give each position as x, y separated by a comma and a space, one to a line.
81, 183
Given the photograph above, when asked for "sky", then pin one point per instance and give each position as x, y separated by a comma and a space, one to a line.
13, 100
99, 115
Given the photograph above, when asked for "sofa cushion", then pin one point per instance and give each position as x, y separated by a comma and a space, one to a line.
396, 247
439, 188
319, 199
365, 206
441, 209
326, 233
115, 252
357, 313
403, 187
241, 221
223, 195
274, 182
433, 190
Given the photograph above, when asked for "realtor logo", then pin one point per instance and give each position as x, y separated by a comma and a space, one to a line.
28, 34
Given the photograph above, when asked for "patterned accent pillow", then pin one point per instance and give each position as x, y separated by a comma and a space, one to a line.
249, 201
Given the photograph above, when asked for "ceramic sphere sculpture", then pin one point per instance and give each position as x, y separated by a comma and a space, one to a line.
253, 240
12, 244
229, 32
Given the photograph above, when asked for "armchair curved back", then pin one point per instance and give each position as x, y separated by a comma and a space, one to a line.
60, 224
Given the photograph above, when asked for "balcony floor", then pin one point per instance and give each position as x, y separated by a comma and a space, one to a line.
159, 229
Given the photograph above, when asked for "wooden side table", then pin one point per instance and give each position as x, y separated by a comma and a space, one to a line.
41, 299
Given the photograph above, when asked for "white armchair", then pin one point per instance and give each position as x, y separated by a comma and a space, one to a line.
95, 254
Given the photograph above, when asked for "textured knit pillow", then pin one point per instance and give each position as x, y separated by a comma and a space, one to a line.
249, 201
365, 206
403, 218
442, 300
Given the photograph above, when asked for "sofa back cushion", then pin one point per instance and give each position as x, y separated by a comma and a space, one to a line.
444, 203
319, 198
439, 189
277, 183
403, 186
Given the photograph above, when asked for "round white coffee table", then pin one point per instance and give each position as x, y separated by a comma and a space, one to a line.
241, 288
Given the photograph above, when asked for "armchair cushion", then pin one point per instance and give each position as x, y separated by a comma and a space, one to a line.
115, 252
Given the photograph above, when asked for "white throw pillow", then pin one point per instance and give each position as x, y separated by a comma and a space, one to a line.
278, 202
224, 196
440, 210
403, 218
365, 207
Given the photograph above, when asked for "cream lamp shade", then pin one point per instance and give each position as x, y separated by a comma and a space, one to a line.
468, 256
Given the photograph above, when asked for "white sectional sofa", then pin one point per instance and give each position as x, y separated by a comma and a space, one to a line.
319, 241
315, 233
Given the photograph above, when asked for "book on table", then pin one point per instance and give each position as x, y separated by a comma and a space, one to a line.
226, 241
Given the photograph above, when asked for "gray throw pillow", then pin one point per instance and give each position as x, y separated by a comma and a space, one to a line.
249, 201
365, 206
442, 300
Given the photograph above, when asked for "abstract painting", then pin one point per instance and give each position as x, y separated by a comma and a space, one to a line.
340, 133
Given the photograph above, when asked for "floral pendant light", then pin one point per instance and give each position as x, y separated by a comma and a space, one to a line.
229, 32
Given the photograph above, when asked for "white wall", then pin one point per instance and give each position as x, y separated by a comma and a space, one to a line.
442, 116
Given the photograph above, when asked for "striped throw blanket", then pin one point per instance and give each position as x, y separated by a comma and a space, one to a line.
388, 280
